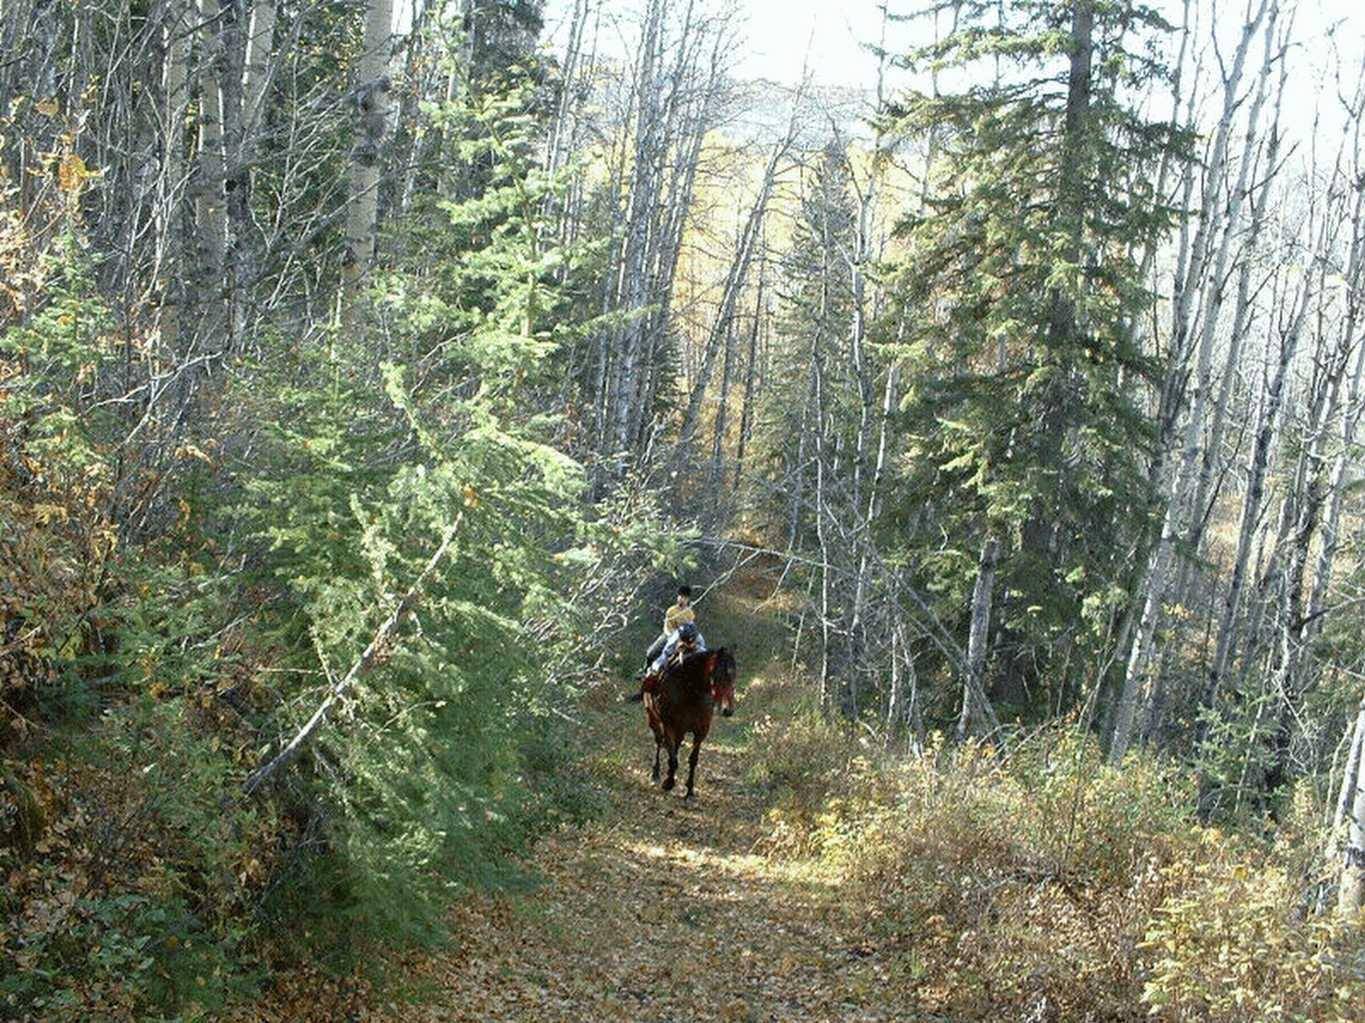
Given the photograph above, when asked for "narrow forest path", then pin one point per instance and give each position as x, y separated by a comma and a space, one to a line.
660, 911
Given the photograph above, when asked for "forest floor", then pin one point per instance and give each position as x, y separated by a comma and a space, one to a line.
663, 911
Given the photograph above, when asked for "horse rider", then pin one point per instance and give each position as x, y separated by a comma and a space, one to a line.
674, 617
685, 640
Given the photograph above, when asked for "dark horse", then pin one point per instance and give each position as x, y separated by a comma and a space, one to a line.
685, 701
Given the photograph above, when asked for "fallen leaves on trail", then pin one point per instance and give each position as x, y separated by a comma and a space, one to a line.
660, 911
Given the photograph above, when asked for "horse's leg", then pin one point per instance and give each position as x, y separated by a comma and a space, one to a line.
673, 745
697, 737
656, 727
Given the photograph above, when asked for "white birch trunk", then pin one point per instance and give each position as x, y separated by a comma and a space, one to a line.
256, 73
371, 92
1137, 682
177, 42
1351, 815
210, 205
973, 690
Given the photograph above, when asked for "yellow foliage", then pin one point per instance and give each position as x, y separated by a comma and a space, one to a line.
1228, 947
1044, 884
72, 174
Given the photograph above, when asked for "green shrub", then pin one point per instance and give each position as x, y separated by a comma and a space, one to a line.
178, 595
134, 899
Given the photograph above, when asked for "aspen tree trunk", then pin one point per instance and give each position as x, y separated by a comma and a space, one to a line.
822, 531
1268, 169
903, 708
746, 410
1335, 487
973, 689
1351, 813
821, 443
1353, 280
889, 394
893, 698
1313, 478
256, 72
1293, 624
1270, 547
1180, 503
687, 122
633, 288
210, 205
573, 52
1168, 396
1137, 681
371, 96
722, 408
798, 485
1349, 776
604, 369
424, 78
1331, 539
863, 253
177, 41
1267, 417
1300, 517
231, 70
668, 248
869, 515
1251, 507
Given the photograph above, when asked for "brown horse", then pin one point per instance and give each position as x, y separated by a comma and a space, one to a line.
685, 701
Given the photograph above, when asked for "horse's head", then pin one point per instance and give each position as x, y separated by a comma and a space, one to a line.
720, 672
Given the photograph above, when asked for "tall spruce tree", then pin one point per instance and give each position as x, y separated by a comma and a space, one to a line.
1018, 292
415, 453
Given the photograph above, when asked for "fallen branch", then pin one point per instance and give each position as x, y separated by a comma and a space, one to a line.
362, 665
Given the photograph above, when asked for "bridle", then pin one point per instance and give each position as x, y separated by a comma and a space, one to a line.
717, 687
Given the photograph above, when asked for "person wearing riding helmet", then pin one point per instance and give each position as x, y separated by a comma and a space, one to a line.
682, 642
687, 639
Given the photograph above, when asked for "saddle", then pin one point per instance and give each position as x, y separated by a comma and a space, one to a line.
651, 680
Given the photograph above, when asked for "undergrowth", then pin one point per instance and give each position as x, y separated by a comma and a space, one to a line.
1044, 884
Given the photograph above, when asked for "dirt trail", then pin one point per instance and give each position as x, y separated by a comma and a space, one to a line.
661, 911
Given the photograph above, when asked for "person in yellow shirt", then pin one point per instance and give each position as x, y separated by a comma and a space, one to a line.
674, 618
679, 614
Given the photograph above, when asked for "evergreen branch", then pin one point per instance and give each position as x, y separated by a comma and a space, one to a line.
362, 664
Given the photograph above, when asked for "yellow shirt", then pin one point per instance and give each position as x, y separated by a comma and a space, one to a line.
675, 616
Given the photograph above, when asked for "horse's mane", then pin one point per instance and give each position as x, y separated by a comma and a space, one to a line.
692, 668
694, 659
698, 657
